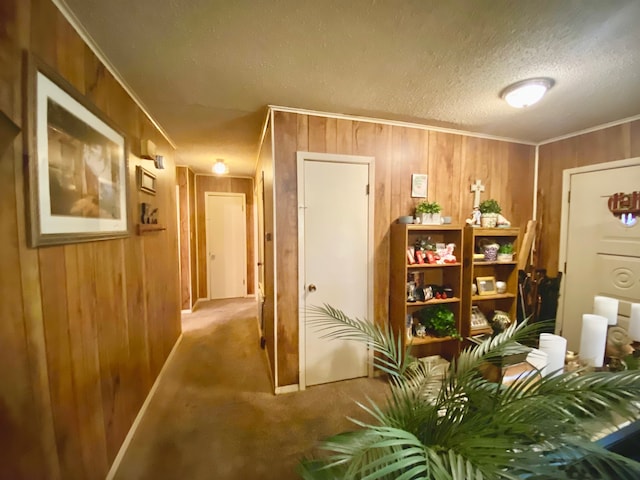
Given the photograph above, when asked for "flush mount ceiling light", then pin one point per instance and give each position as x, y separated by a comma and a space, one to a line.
527, 92
220, 167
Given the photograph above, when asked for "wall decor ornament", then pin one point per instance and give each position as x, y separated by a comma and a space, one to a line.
77, 163
146, 180
419, 185
625, 206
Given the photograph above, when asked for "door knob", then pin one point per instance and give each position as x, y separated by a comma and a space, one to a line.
312, 288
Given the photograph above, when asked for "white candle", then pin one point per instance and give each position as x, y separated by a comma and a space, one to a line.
606, 307
593, 339
634, 322
555, 347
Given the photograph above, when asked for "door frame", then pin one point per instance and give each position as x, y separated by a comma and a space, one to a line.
331, 158
564, 220
207, 239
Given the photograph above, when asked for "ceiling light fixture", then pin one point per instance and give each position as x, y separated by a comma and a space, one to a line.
527, 92
220, 167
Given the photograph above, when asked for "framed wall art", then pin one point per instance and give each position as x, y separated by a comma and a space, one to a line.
77, 164
418, 185
146, 180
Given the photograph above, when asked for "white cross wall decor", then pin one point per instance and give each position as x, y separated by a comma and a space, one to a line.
476, 188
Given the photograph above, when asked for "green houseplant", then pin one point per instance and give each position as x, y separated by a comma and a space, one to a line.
439, 321
489, 210
505, 252
429, 212
465, 427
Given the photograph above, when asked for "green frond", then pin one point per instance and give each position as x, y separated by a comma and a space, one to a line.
462, 426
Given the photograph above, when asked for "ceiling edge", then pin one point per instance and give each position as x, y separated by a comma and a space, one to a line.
591, 129
398, 123
75, 23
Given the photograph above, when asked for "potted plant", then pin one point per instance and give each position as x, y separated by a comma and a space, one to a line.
505, 252
429, 212
489, 210
439, 321
464, 425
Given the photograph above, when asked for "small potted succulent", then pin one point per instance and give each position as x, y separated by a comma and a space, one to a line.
429, 212
489, 210
505, 252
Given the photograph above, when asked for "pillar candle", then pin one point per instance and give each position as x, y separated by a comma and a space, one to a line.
634, 322
555, 347
606, 307
593, 339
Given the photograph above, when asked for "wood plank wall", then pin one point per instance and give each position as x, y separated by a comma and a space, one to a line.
606, 145
453, 162
211, 183
185, 179
85, 327
265, 167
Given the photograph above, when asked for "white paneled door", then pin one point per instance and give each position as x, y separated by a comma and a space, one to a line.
603, 255
334, 236
226, 245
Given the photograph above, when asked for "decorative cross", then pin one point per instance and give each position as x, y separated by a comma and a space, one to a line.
476, 188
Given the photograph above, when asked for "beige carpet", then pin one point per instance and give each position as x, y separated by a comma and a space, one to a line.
214, 415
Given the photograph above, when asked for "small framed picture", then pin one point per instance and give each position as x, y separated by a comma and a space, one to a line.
419, 185
146, 180
486, 285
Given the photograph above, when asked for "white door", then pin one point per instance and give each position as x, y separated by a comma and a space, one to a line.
334, 237
226, 245
603, 255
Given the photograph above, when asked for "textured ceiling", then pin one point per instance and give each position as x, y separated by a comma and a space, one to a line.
207, 69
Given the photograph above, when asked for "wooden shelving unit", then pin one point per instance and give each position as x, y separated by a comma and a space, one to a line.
448, 274
501, 271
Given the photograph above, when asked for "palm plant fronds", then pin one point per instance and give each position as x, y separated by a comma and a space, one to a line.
461, 426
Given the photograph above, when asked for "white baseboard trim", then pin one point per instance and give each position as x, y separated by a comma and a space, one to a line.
188, 310
287, 389
125, 445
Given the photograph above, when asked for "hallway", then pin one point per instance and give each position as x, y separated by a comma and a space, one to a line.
214, 416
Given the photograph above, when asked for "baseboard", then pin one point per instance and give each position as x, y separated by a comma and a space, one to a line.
138, 419
188, 310
195, 305
287, 389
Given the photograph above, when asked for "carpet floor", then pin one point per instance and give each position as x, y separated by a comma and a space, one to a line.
214, 415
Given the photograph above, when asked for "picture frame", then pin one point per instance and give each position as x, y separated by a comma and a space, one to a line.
419, 185
146, 180
76, 158
486, 285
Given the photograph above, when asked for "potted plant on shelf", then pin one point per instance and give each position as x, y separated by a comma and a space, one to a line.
505, 252
429, 212
489, 210
438, 320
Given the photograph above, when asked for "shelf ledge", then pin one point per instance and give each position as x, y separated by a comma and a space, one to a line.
497, 296
149, 227
433, 301
427, 340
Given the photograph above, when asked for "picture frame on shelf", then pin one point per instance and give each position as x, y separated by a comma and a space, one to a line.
486, 285
77, 173
146, 180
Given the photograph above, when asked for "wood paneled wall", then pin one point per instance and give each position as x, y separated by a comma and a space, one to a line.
264, 168
453, 162
85, 327
185, 179
210, 183
606, 145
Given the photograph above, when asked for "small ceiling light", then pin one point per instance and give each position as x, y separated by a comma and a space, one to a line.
220, 167
527, 92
